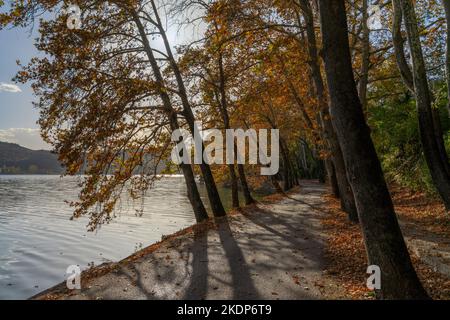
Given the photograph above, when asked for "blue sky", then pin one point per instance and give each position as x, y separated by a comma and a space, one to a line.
17, 115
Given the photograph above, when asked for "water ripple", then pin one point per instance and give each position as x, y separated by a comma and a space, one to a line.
38, 241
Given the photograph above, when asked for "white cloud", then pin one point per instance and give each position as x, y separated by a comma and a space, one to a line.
26, 137
9, 87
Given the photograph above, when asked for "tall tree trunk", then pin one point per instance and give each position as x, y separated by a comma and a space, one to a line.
408, 79
287, 167
347, 198
211, 187
320, 170
223, 103
295, 168
365, 55
433, 148
332, 180
439, 136
345, 191
245, 189
223, 110
192, 190
234, 186
399, 46
383, 239
446, 4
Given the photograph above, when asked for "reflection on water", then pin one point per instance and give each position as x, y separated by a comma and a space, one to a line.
38, 241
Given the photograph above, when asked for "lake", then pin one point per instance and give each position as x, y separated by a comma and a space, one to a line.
38, 241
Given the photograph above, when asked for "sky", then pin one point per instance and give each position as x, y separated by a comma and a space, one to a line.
18, 117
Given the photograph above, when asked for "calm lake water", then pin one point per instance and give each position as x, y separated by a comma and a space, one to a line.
38, 241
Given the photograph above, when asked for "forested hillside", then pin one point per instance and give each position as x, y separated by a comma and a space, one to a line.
15, 159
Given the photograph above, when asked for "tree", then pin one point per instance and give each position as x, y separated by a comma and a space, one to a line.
446, 5
429, 123
338, 164
103, 111
365, 54
213, 194
399, 46
216, 65
382, 236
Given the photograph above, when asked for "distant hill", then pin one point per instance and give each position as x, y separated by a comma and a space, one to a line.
15, 159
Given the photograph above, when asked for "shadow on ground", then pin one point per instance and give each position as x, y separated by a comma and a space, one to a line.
270, 252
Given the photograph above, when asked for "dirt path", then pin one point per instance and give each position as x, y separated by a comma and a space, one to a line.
273, 252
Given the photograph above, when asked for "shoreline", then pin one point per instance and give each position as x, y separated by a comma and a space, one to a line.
106, 267
287, 246
240, 261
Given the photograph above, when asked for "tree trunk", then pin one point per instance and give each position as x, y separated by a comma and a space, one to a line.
193, 194
211, 187
347, 198
439, 136
446, 4
383, 239
429, 126
245, 189
295, 170
408, 79
192, 190
365, 55
247, 195
234, 186
223, 106
399, 46
287, 182
345, 192
332, 180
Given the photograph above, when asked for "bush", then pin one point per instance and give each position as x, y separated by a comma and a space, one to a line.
395, 132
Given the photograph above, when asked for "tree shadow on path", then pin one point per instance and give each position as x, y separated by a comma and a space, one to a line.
242, 282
